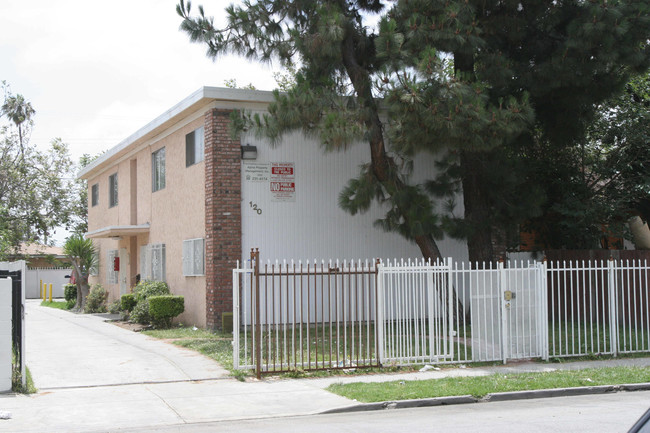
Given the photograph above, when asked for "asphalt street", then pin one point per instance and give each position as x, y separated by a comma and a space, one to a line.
608, 413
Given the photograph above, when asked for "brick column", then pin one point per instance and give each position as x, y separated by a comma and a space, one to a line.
222, 214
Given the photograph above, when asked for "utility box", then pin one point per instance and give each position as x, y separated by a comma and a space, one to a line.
5, 334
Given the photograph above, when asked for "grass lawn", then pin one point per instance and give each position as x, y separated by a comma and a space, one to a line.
217, 346
61, 305
481, 386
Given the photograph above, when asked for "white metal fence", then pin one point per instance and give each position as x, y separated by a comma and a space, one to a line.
356, 314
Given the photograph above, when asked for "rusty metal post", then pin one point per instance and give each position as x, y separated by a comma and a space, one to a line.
255, 255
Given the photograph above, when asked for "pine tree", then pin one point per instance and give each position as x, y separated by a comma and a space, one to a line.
483, 84
522, 78
332, 98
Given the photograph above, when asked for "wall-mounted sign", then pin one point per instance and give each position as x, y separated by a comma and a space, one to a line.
256, 172
283, 181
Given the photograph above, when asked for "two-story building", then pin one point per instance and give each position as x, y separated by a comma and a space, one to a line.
180, 200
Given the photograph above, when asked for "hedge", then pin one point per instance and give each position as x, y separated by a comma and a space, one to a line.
70, 295
163, 309
127, 302
143, 291
70, 292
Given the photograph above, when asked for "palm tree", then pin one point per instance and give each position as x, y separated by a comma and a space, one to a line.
83, 256
19, 111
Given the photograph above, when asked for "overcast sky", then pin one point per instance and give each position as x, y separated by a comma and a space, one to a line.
96, 71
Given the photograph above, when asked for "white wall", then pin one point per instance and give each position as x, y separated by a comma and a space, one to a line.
5, 334
56, 277
311, 225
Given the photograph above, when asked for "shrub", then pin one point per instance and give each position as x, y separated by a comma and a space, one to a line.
128, 302
140, 313
115, 307
147, 288
162, 309
70, 295
96, 300
142, 292
70, 292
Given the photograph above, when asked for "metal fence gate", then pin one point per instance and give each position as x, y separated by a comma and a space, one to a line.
16, 271
327, 315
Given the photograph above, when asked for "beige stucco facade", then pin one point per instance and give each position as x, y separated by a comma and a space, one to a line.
173, 214
227, 204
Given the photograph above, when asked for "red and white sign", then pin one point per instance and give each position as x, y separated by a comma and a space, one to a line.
283, 181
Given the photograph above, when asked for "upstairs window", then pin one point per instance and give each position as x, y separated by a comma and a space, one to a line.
194, 147
94, 195
158, 170
193, 252
112, 190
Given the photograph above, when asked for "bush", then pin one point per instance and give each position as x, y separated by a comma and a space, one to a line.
70, 292
142, 292
128, 302
115, 307
147, 288
140, 313
96, 300
162, 309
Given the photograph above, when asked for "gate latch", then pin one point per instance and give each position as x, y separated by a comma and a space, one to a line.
508, 295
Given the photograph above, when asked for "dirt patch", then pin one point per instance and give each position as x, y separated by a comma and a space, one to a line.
135, 327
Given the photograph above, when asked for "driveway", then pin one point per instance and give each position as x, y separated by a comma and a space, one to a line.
66, 350
95, 376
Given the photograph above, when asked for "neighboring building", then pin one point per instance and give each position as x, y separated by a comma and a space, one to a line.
40, 256
182, 201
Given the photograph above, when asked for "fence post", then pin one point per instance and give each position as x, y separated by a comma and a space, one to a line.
451, 305
255, 255
379, 316
431, 296
504, 311
543, 302
613, 305
235, 316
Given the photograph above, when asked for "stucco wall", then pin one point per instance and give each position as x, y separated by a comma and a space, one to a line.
175, 213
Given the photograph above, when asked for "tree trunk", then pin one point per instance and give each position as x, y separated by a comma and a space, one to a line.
83, 288
475, 197
477, 208
383, 166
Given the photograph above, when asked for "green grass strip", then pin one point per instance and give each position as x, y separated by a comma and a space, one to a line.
217, 346
483, 385
61, 305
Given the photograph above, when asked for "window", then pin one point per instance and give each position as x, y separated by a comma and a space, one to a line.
152, 262
95, 195
194, 147
158, 170
112, 276
112, 190
193, 263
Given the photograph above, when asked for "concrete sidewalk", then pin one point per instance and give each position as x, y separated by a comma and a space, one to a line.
95, 376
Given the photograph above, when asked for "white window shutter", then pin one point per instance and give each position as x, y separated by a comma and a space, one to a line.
198, 250
187, 257
193, 257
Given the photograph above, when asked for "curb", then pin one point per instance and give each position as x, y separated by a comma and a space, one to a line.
494, 397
